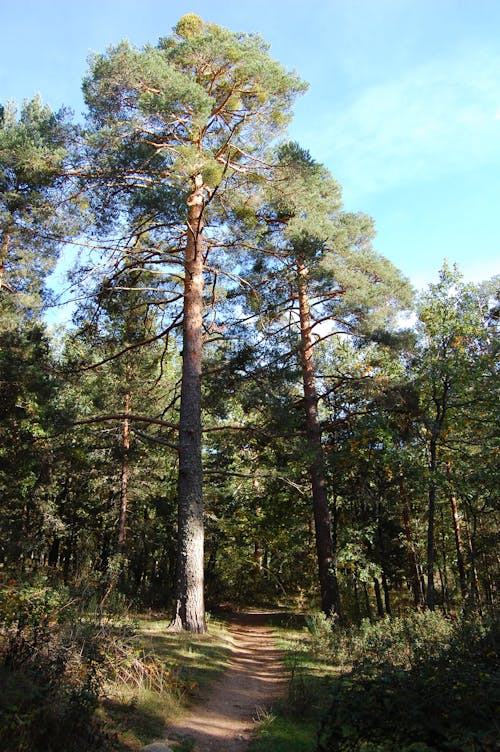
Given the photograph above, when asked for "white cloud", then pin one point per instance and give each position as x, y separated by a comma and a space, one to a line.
437, 119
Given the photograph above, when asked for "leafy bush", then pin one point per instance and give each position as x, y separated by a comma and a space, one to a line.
50, 672
403, 696
324, 635
61, 660
399, 641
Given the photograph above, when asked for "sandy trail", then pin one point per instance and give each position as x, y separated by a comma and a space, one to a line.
254, 679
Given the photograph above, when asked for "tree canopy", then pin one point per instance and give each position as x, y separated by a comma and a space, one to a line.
236, 412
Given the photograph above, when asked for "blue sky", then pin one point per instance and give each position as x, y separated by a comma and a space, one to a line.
403, 104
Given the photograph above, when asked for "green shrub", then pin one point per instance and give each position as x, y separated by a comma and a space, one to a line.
399, 641
50, 672
404, 697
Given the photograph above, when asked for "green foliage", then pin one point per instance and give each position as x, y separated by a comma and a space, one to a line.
50, 673
33, 154
402, 695
30, 607
190, 25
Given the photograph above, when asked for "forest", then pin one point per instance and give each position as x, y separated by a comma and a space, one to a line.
249, 405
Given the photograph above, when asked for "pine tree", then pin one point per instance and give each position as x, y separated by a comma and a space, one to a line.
33, 155
176, 128
324, 277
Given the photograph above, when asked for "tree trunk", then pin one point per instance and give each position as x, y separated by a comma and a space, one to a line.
378, 598
330, 595
367, 602
431, 513
457, 529
387, 595
357, 607
443, 574
382, 552
475, 594
189, 611
258, 556
416, 583
122, 520
3, 256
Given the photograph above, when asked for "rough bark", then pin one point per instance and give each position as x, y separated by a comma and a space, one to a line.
189, 611
330, 596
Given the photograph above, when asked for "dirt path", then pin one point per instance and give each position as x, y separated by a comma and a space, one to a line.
253, 680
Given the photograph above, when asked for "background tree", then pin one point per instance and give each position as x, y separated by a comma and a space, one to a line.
453, 362
317, 272
33, 160
127, 373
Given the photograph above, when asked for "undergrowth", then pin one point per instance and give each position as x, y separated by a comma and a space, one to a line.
74, 679
420, 683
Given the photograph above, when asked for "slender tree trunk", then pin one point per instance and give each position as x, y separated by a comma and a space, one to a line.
258, 547
443, 589
122, 520
476, 597
457, 529
444, 573
387, 595
115, 577
330, 595
53, 557
4, 250
367, 602
381, 548
431, 513
416, 582
357, 607
189, 611
378, 597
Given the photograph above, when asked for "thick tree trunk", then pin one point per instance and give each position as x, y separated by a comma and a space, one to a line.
330, 596
189, 606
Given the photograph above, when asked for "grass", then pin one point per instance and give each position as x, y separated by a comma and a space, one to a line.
282, 734
172, 672
199, 658
196, 660
293, 723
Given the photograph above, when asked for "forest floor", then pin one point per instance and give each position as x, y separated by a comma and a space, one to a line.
226, 717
